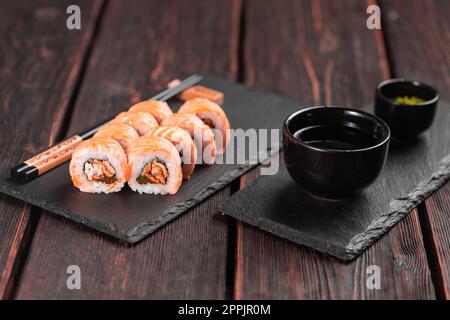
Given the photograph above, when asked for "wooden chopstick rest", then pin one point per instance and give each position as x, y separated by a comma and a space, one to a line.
198, 91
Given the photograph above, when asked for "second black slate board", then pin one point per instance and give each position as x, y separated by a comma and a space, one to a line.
345, 228
131, 217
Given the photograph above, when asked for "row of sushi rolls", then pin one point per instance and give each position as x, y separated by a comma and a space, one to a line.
151, 148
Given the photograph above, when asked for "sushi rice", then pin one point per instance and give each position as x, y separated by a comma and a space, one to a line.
162, 156
88, 161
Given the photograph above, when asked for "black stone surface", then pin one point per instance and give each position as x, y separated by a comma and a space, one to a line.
345, 228
130, 216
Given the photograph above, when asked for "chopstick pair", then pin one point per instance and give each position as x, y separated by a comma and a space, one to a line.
62, 152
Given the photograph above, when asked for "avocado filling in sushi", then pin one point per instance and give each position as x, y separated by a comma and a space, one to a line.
100, 171
208, 122
154, 172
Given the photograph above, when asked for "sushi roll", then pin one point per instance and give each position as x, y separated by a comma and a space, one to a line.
154, 165
99, 165
140, 121
159, 109
213, 116
200, 132
121, 132
184, 144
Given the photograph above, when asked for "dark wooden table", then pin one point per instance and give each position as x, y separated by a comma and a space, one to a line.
54, 82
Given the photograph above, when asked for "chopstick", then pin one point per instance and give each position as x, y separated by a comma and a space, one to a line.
171, 92
62, 152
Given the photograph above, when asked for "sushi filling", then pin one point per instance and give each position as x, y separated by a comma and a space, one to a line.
100, 171
154, 172
208, 122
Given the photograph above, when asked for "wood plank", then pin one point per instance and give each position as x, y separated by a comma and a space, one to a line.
426, 58
322, 52
186, 258
418, 34
134, 56
40, 62
436, 223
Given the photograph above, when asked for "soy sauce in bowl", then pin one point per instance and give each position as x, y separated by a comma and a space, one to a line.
334, 152
335, 137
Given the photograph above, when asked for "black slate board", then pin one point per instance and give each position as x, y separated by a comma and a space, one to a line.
131, 217
346, 228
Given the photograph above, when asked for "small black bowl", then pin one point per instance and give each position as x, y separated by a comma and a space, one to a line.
406, 121
334, 152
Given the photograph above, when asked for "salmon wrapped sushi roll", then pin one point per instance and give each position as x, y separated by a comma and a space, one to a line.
154, 165
203, 136
99, 165
138, 120
213, 116
159, 109
184, 144
121, 132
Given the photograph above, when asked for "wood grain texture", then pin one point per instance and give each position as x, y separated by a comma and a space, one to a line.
427, 59
418, 36
40, 62
180, 260
135, 55
322, 52
437, 225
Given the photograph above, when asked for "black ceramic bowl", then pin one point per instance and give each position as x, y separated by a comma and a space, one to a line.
334, 152
406, 121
